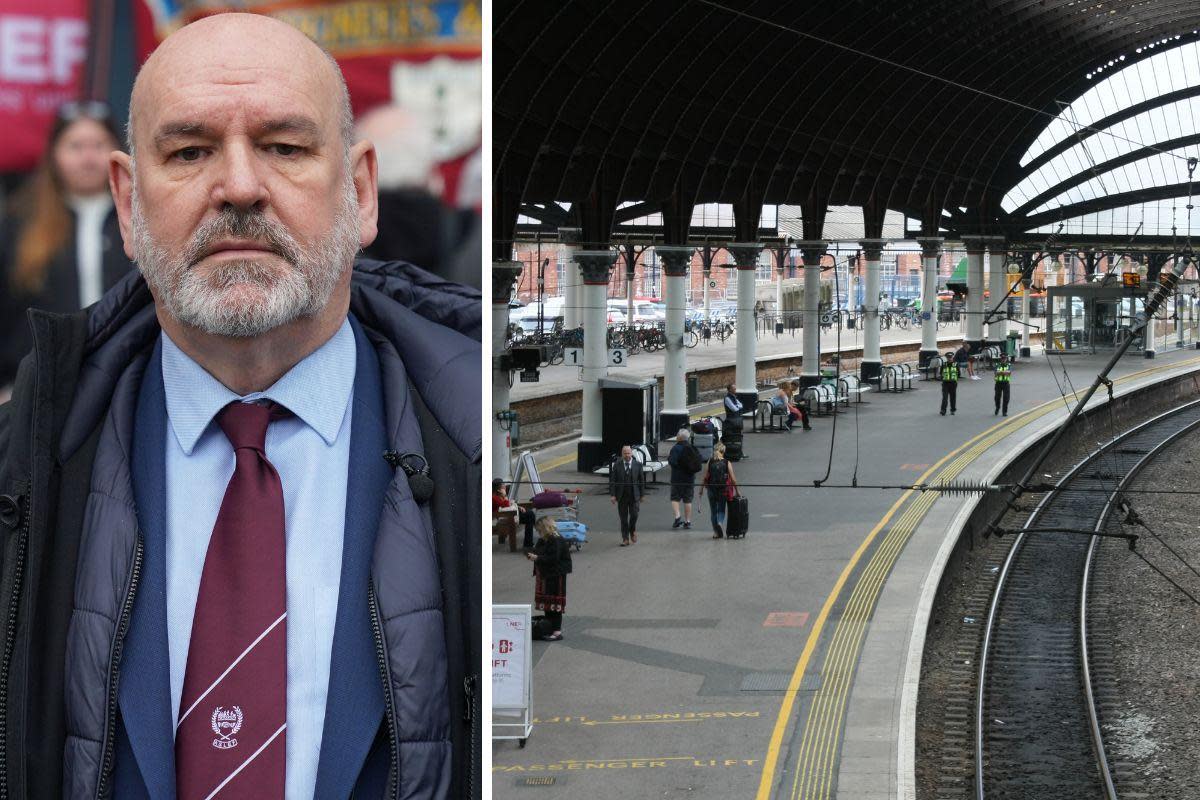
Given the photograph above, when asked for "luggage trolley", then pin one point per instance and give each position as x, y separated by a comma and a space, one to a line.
562, 506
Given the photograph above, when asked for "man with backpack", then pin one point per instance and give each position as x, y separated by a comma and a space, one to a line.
685, 463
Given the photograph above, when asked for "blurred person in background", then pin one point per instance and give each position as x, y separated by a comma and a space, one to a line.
60, 245
415, 223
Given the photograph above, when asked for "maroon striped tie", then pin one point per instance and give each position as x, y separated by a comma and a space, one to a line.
233, 712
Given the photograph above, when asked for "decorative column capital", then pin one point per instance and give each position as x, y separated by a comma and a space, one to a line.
931, 247
570, 236
996, 244
812, 251
675, 259
745, 254
872, 248
975, 244
504, 277
595, 265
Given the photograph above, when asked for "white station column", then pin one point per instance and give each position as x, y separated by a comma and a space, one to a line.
1026, 323
810, 367
871, 368
975, 246
745, 377
707, 295
998, 283
675, 261
568, 240
504, 277
594, 267
931, 251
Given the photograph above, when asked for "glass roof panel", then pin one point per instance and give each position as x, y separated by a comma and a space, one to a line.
1171, 69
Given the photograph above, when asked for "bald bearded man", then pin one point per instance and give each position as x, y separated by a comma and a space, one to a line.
236, 491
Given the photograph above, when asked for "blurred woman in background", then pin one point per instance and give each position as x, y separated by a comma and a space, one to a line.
60, 244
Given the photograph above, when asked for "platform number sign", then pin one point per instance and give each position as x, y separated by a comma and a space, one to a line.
618, 357
573, 356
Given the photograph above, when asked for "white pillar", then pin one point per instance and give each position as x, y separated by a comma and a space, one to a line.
745, 377
975, 245
872, 363
675, 261
998, 283
595, 266
568, 240
931, 250
504, 275
1026, 325
707, 301
810, 368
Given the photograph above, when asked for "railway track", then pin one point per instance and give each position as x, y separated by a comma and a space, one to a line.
1037, 730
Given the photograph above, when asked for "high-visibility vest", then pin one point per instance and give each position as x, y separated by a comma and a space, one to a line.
950, 372
1003, 374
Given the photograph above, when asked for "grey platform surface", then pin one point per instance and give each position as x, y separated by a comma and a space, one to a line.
679, 650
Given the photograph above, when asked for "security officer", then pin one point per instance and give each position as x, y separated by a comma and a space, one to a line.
1003, 379
949, 383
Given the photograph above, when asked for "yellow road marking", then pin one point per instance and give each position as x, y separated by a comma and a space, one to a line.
639, 721
843, 665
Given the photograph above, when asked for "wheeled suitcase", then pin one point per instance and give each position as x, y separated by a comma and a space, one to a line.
704, 443
737, 520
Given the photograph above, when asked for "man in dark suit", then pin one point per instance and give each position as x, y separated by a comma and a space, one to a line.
626, 485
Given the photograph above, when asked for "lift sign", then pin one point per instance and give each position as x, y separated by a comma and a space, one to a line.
1131, 279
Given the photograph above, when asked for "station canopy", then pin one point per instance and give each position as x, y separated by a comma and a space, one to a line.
1020, 118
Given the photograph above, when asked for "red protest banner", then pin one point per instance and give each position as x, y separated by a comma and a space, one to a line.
43, 44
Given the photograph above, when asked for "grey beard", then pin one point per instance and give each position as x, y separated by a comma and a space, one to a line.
270, 299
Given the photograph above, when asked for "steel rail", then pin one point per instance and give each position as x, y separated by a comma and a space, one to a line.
998, 592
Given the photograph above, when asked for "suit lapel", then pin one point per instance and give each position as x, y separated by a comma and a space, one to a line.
354, 706
144, 693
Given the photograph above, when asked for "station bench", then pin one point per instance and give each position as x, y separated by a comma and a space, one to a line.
896, 378
850, 386
641, 454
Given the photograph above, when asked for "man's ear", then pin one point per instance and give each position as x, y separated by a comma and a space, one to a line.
120, 182
365, 167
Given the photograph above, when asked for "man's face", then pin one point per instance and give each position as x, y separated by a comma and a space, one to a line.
626, 452
243, 209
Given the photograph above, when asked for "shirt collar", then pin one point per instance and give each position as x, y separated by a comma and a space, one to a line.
194, 396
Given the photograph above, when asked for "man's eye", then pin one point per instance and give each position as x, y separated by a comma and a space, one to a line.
188, 154
285, 149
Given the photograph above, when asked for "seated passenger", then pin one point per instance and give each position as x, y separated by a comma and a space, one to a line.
782, 401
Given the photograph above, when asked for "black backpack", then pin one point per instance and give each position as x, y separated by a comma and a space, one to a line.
718, 474
690, 460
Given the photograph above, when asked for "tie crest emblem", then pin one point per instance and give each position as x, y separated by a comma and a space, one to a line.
226, 722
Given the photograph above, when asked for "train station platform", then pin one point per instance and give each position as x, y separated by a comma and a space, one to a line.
784, 665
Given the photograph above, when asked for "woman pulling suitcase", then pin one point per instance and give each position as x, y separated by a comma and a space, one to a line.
721, 484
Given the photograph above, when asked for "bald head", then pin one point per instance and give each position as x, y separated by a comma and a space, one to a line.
238, 51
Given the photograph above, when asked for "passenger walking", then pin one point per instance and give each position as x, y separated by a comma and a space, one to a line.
551, 559
685, 462
626, 485
949, 384
1003, 380
721, 484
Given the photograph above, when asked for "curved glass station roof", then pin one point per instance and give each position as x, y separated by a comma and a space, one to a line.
1118, 155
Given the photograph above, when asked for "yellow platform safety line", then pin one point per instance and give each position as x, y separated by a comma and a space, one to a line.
818, 749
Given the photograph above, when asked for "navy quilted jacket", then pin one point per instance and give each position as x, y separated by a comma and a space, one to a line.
57, 696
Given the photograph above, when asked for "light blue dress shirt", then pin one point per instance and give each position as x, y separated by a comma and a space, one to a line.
311, 453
